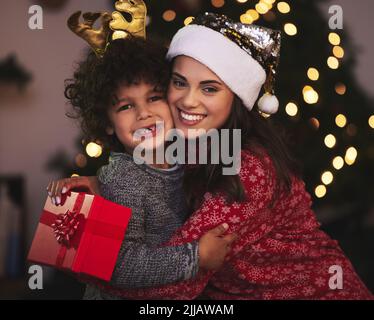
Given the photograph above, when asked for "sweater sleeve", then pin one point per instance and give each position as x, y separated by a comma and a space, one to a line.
250, 219
142, 265
139, 265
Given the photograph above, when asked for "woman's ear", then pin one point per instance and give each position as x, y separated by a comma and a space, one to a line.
109, 131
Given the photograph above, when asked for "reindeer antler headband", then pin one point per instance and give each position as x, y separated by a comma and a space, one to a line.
113, 26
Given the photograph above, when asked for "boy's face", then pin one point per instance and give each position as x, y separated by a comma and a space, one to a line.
138, 114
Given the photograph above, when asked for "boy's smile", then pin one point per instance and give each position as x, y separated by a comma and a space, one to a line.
148, 132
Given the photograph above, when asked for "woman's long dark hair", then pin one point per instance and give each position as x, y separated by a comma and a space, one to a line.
257, 134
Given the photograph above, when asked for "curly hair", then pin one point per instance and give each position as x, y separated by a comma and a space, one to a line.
92, 89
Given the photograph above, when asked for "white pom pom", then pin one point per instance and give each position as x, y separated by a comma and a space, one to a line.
268, 103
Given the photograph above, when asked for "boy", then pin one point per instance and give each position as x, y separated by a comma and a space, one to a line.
120, 100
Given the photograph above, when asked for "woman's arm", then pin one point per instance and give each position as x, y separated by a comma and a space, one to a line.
140, 266
250, 219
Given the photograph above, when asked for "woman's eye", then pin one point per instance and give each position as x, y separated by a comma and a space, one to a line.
210, 90
179, 84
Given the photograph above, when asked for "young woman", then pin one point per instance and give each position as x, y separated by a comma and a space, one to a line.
219, 68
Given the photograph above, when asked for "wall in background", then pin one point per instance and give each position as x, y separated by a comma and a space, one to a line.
33, 125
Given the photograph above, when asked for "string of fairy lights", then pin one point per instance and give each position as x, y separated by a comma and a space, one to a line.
266, 9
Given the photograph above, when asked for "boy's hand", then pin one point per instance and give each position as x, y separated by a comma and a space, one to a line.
57, 188
213, 247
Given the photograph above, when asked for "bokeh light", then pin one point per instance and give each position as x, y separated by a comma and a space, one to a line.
188, 20
327, 177
334, 38
330, 141
333, 63
340, 88
169, 15
283, 7
313, 74
291, 109
320, 191
218, 3
290, 29
341, 120
94, 150
338, 162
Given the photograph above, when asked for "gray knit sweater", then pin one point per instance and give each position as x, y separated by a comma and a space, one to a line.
158, 208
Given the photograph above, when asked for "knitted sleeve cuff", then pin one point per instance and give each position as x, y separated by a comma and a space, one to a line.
192, 267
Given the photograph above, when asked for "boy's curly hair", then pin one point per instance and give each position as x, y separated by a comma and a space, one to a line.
91, 90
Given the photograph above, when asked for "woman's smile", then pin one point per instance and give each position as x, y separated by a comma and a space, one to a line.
190, 119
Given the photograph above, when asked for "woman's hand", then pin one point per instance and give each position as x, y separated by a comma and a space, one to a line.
57, 188
213, 247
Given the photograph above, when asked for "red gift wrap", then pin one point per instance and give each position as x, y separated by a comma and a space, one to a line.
83, 236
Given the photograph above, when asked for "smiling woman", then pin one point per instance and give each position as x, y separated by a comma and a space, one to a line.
280, 253
198, 98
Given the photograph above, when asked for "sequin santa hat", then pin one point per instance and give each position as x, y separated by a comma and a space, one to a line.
244, 56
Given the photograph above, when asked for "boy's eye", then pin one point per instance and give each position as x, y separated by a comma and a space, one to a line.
156, 98
125, 107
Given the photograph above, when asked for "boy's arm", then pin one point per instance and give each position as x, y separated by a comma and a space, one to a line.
142, 265
139, 265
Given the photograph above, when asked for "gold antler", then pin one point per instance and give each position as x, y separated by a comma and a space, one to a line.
96, 38
136, 27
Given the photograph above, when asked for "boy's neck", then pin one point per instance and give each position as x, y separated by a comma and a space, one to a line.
152, 162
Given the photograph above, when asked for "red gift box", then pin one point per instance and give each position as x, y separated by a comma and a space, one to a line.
84, 235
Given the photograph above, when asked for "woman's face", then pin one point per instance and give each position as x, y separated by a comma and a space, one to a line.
198, 98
